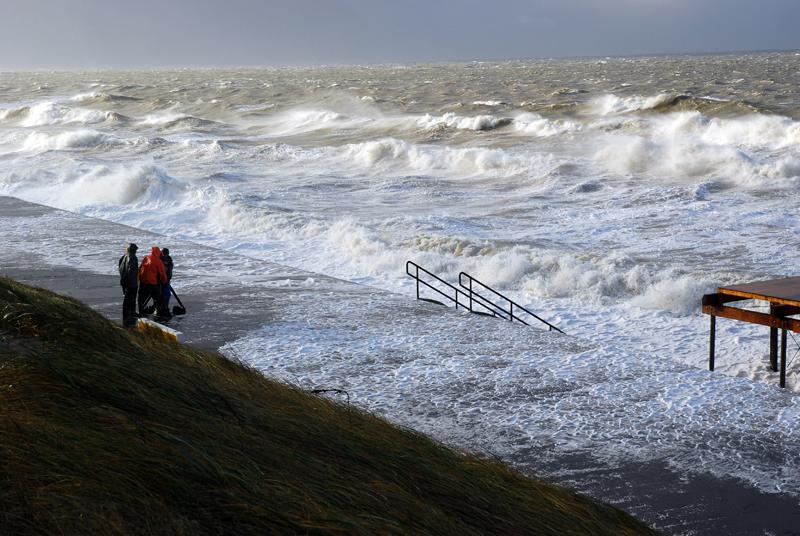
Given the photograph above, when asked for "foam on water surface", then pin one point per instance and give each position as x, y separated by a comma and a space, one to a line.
507, 389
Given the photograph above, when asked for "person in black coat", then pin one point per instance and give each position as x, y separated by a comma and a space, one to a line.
168, 266
129, 281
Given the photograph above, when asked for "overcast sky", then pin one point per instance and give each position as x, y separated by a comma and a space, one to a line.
41, 34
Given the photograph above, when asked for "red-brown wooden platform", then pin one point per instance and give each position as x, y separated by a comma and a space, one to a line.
783, 296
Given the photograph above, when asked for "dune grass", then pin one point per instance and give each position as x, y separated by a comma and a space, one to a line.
106, 431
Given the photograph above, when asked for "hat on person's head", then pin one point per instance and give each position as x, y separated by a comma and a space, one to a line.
165, 251
132, 247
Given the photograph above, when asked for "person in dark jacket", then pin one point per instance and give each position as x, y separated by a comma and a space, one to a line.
129, 281
168, 265
151, 277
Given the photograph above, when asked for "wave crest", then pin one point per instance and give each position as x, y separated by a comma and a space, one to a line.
751, 150
610, 105
467, 161
53, 113
613, 105
536, 125
451, 120
176, 120
101, 96
41, 141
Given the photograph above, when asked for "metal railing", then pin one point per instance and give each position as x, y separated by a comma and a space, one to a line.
468, 282
458, 297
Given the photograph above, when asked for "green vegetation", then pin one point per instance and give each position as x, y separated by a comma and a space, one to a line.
105, 431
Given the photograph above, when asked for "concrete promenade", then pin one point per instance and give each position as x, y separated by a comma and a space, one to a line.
229, 297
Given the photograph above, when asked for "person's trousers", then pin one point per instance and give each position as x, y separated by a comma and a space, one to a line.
129, 306
149, 291
166, 293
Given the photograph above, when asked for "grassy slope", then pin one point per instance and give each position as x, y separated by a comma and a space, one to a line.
109, 432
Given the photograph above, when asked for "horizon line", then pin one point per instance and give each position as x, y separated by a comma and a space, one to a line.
367, 64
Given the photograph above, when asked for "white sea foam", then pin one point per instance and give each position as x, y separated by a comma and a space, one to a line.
612, 104
768, 132
254, 107
40, 141
102, 185
90, 95
488, 103
510, 399
53, 113
162, 118
390, 153
304, 120
746, 151
678, 295
355, 115
601, 281
536, 125
480, 122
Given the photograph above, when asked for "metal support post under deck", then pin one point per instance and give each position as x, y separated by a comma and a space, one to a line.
783, 358
773, 349
773, 341
711, 343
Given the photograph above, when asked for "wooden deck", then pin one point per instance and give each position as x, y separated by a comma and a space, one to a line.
784, 291
783, 297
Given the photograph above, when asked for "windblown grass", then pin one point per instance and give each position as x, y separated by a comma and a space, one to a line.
104, 431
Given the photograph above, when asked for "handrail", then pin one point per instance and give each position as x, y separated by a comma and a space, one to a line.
507, 314
453, 298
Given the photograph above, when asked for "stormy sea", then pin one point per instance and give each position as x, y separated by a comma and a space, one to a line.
606, 194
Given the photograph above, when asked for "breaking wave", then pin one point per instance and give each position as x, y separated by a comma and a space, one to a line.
536, 125
518, 269
112, 187
614, 105
41, 141
176, 120
54, 113
610, 104
100, 96
400, 155
746, 151
615, 277
302, 121
451, 120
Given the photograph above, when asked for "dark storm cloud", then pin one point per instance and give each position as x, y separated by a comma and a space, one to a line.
144, 33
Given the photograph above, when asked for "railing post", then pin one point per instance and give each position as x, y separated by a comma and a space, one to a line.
783, 357
711, 341
773, 340
773, 349
470, 294
511, 310
417, 278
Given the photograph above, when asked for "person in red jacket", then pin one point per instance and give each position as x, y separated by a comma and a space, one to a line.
151, 276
